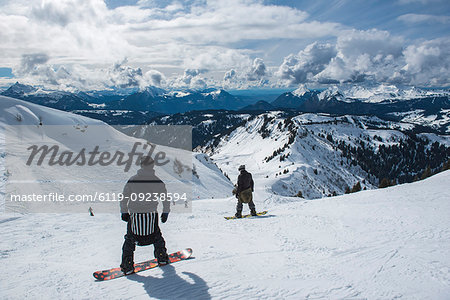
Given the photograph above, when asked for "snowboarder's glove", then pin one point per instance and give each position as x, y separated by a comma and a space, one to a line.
164, 217
125, 217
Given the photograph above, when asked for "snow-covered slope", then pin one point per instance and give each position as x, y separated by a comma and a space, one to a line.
311, 164
305, 153
439, 120
209, 181
381, 244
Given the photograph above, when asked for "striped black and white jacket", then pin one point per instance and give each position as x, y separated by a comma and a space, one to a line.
144, 223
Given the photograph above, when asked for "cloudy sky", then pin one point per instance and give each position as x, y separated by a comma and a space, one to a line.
96, 44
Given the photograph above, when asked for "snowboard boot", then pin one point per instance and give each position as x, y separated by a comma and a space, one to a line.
127, 265
238, 215
162, 257
253, 212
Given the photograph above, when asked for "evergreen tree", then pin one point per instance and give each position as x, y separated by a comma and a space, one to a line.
356, 187
384, 183
427, 173
446, 165
347, 190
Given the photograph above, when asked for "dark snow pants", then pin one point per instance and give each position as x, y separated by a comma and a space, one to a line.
240, 205
131, 240
246, 196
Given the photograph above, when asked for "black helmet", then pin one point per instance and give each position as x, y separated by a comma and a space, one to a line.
147, 162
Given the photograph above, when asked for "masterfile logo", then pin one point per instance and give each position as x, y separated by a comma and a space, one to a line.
94, 166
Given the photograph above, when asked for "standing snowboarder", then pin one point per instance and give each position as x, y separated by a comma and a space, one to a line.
244, 189
141, 214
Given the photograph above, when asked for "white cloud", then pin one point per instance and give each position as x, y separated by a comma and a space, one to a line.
406, 2
233, 79
36, 69
155, 78
31, 62
363, 55
421, 18
230, 75
254, 74
373, 42
301, 67
81, 40
427, 63
357, 56
177, 35
257, 71
124, 76
191, 79
371, 55
214, 57
63, 12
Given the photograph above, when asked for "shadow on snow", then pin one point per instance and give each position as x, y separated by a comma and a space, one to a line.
172, 286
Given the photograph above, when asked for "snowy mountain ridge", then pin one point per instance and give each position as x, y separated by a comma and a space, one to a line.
301, 90
312, 155
373, 93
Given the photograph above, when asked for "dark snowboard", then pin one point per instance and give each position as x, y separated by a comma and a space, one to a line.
142, 266
247, 216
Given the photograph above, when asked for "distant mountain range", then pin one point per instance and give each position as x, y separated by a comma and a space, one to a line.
156, 99
429, 108
259, 106
151, 99
55, 99
358, 101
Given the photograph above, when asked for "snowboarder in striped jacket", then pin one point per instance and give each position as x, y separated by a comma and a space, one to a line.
138, 206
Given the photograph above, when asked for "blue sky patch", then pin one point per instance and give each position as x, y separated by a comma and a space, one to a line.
6, 72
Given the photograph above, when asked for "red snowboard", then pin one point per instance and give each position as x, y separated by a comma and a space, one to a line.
142, 266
